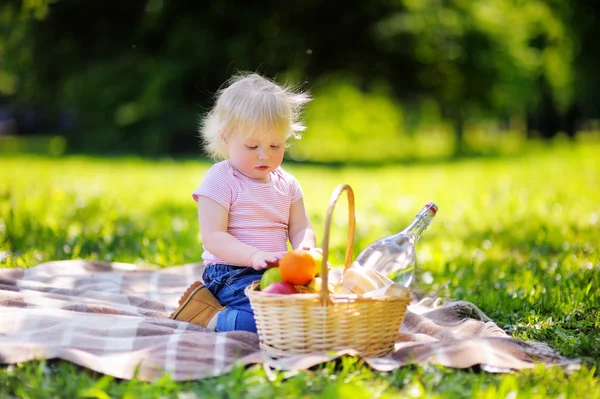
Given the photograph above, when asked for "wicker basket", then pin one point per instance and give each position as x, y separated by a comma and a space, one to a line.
316, 322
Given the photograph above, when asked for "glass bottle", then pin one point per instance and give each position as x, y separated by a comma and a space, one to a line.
394, 256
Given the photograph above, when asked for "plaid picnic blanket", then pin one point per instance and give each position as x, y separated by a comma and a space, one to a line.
113, 318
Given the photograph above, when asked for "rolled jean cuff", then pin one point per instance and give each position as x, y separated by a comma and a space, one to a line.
234, 320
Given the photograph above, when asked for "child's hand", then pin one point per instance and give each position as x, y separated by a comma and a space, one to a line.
308, 247
263, 259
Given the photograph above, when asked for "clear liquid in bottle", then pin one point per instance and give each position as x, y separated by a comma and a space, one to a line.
394, 256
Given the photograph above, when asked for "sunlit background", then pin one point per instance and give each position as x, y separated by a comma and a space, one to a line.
392, 81
490, 108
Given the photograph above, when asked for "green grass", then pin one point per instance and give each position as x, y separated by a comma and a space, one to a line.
518, 236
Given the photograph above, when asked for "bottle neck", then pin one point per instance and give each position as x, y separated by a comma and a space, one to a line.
421, 221
418, 225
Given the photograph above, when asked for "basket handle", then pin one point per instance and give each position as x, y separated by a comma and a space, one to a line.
335, 195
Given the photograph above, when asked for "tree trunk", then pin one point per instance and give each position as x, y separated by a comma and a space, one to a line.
571, 121
459, 136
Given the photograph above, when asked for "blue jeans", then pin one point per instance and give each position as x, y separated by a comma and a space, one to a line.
227, 284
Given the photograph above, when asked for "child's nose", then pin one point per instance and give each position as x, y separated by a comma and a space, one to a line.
263, 154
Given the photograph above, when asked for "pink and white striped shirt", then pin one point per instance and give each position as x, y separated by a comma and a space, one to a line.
259, 212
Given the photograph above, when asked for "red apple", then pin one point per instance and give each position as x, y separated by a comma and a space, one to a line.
281, 287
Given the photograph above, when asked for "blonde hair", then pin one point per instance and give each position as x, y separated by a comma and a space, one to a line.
251, 105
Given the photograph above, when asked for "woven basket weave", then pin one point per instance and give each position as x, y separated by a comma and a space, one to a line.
315, 322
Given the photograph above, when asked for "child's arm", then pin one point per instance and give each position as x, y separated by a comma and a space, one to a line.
215, 238
301, 232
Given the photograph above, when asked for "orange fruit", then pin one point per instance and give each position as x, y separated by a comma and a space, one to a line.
298, 267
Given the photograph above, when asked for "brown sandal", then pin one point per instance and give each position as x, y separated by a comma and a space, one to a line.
197, 305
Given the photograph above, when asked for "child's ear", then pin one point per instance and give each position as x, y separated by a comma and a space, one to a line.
223, 137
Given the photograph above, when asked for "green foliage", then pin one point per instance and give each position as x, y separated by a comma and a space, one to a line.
140, 75
516, 235
43, 145
346, 125
338, 121
487, 58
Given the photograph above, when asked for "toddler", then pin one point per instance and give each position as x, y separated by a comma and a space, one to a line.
248, 206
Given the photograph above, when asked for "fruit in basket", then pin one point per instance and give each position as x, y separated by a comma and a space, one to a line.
318, 257
315, 284
281, 287
298, 267
302, 289
270, 276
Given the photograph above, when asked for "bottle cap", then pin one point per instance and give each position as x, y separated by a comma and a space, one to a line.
432, 206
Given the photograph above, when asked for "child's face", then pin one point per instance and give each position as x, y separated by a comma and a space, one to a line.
256, 156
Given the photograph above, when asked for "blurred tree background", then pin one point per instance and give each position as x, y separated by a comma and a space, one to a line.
392, 79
